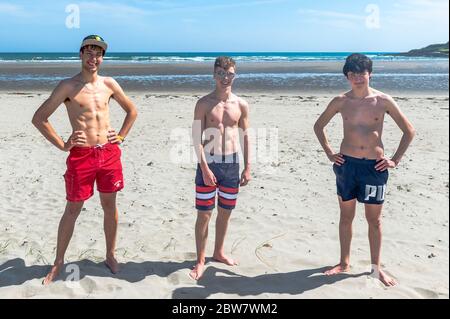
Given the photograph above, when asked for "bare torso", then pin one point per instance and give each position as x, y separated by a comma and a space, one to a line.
88, 109
222, 125
363, 126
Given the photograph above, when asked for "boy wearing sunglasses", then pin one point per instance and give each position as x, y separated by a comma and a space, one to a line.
223, 119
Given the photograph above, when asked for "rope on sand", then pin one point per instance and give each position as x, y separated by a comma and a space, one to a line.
266, 245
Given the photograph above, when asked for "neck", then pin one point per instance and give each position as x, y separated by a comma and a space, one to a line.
362, 93
223, 94
89, 77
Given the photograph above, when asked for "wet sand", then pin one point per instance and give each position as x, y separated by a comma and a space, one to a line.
293, 77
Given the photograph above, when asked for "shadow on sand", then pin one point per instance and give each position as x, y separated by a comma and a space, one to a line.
14, 273
222, 281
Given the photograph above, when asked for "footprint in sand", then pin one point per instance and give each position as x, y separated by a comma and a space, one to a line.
190, 256
174, 279
89, 285
29, 292
426, 294
113, 288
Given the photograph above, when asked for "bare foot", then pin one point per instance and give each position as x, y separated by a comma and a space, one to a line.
198, 271
224, 259
338, 269
387, 280
112, 264
51, 276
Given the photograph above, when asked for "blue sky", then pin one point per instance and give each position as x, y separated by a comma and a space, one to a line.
224, 26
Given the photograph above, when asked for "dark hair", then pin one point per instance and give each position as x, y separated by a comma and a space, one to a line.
358, 63
91, 46
224, 62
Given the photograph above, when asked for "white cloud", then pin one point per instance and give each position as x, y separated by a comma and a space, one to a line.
428, 3
209, 7
11, 9
332, 14
163, 7
113, 9
332, 19
240, 4
414, 12
332, 23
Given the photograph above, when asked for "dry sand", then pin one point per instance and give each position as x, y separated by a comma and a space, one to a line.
284, 230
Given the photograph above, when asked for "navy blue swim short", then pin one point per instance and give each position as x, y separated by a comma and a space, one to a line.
226, 170
358, 179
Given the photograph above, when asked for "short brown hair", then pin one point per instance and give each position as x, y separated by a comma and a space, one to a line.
224, 62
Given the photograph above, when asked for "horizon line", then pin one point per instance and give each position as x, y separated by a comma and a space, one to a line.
207, 52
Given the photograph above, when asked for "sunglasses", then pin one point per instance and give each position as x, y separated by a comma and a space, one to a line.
222, 75
94, 37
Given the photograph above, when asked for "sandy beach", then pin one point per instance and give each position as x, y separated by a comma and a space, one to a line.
284, 231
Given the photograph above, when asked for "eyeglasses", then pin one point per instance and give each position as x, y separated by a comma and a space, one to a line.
222, 74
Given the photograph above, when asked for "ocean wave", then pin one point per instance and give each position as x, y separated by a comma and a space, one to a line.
245, 77
147, 58
38, 61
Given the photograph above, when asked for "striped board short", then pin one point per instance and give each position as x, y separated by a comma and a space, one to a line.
226, 170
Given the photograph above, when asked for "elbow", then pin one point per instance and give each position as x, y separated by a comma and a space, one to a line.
134, 114
412, 132
317, 128
39, 120
36, 120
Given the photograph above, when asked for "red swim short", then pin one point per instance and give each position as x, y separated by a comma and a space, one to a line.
87, 165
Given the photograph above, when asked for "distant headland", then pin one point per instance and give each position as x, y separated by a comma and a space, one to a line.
434, 50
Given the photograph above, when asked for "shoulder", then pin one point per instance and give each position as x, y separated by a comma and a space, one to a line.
341, 98
69, 83
243, 104
113, 85
205, 101
202, 105
110, 82
339, 101
385, 100
65, 86
381, 95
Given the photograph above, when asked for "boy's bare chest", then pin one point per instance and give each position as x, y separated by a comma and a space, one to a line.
227, 115
87, 100
368, 113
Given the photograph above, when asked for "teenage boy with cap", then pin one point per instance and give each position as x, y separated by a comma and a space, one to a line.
95, 155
